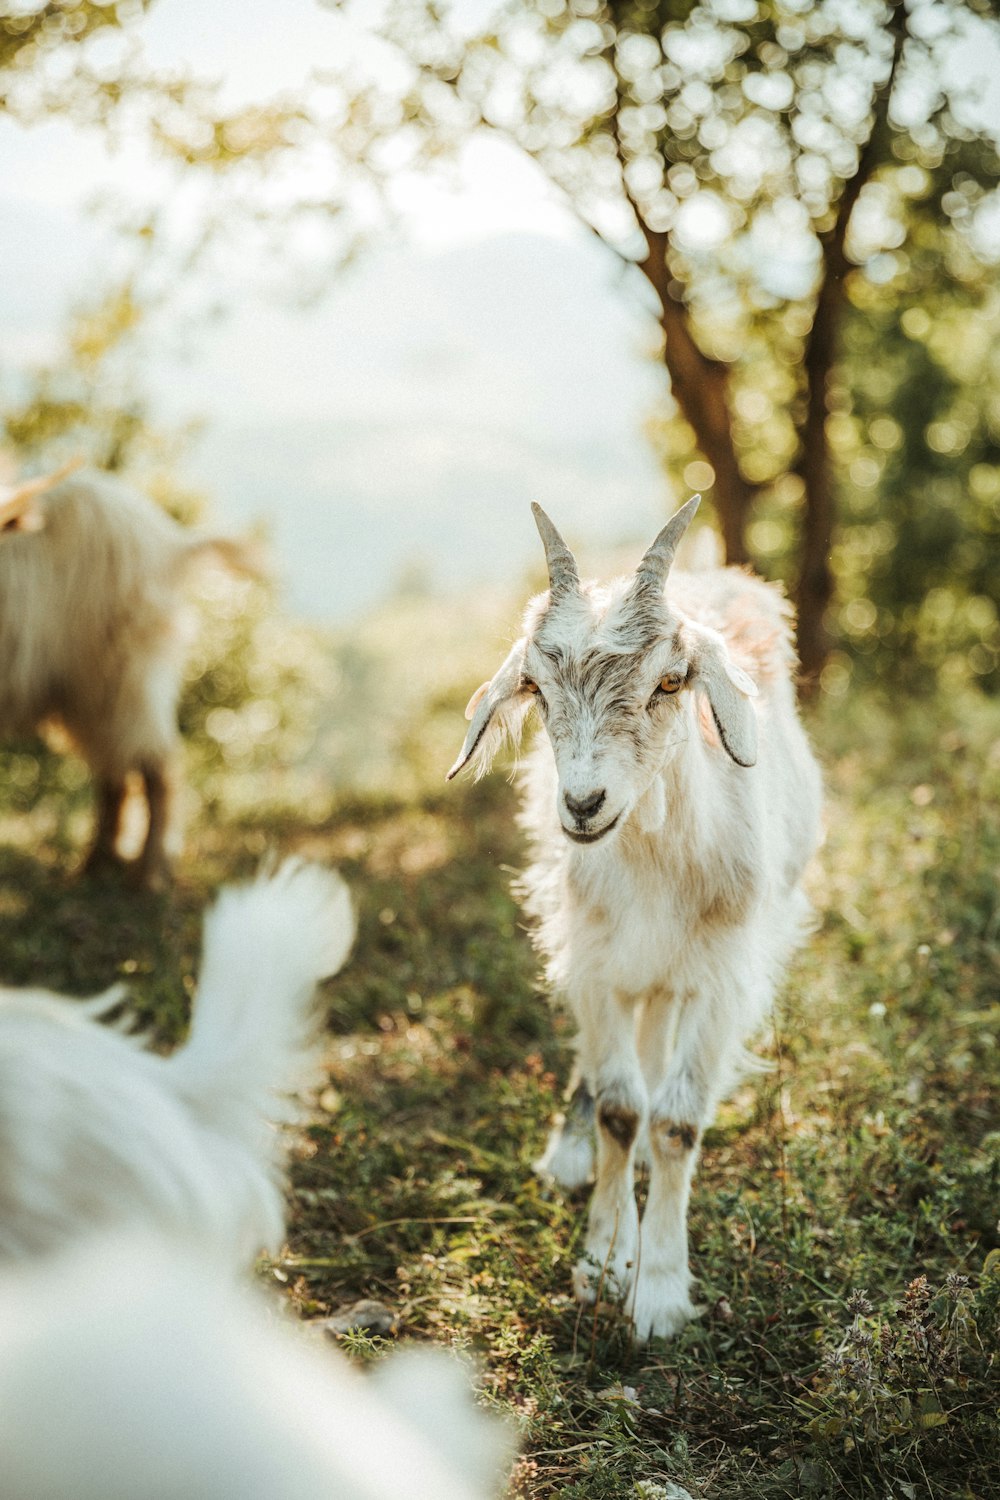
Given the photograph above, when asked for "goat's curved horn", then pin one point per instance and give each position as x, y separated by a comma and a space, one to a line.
563, 572
652, 571
15, 500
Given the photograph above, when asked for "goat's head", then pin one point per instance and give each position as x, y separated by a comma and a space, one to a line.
610, 669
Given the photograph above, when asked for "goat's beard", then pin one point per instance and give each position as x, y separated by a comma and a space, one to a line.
651, 808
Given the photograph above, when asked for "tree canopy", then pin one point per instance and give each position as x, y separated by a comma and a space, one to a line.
809, 189
757, 160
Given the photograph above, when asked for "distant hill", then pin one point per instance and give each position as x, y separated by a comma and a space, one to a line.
415, 413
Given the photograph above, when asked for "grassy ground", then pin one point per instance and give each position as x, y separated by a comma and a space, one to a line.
869, 1158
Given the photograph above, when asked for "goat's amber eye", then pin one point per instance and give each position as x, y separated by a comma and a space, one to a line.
671, 684
528, 686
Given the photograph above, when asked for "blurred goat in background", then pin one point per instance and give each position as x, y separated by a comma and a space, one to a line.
91, 578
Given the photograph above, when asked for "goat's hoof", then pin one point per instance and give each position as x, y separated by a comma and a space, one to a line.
594, 1282
151, 878
586, 1278
662, 1305
101, 864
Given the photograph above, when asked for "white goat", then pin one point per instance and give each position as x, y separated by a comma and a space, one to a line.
91, 574
671, 817
97, 1130
130, 1367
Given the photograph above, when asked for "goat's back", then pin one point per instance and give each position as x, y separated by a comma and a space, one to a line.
754, 618
757, 623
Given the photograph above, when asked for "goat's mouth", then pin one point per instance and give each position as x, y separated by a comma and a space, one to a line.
580, 837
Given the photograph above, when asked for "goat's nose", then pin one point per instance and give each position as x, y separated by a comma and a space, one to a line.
584, 807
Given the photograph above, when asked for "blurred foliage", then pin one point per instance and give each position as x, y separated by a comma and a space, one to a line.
88, 400
277, 713
914, 428
728, 135
36, 40
918, 442
298, 182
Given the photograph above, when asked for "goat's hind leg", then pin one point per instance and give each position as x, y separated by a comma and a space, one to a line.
608, 1055
656, 1030
568, 1157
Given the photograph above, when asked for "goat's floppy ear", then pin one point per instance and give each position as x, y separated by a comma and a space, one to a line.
494, 709
729, 690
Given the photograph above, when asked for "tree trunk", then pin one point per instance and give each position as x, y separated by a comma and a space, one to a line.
700, 388
815, 588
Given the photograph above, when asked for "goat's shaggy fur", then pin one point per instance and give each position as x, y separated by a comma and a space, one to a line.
130, 1367
670, 815
96, 1129
91, 576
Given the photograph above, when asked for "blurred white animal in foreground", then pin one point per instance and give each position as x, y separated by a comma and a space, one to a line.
131, 1368
95, 1129
91, 581
672, 805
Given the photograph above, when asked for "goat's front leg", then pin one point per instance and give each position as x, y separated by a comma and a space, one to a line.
680, 1108
608, 1056
568, 1157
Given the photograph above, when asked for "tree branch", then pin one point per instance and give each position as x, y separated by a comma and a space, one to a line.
815, 585
834, 240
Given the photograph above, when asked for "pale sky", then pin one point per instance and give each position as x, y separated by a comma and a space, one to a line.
484, 358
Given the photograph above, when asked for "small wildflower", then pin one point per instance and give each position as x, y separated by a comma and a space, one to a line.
955, 1285
524, 1476
858, 1304
916, 1300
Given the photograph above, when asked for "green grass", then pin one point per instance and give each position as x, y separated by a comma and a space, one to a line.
868, 1158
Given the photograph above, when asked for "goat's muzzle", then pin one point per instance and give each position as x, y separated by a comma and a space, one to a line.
581, 836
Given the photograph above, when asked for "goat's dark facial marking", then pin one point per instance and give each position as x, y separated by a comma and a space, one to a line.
591, 838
